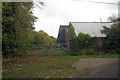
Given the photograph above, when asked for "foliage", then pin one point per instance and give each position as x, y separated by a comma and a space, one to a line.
85, 44
17, 26
84, 40
17, 29
42, 38
53, 39
112, 37
72, 33
80, 42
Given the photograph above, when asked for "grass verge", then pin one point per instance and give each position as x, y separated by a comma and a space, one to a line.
41, 67
45, 64
100, 56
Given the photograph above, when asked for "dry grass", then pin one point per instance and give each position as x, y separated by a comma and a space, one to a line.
40, 67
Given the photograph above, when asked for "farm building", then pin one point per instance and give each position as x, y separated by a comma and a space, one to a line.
92, 28
64, 36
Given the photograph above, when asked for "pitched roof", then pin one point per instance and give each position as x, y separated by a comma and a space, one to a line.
92, 28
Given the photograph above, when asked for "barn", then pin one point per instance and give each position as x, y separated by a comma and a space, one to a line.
92, 28
64, 36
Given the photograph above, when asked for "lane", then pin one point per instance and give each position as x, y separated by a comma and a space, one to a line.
98, 67
106, 71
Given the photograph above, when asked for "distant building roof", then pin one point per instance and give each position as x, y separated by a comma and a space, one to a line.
92, 28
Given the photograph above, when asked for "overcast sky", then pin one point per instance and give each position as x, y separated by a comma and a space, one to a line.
61, 12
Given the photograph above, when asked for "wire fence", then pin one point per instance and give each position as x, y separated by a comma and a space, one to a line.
48, 49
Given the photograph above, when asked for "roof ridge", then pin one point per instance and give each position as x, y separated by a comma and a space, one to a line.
64, 25
90, 22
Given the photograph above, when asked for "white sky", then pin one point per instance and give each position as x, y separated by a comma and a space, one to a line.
61, 12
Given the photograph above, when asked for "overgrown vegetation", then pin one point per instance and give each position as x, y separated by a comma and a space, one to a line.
48, 52
79, 44
41, 67
18, 35
112, 43
17, 26
18, 31
84, 44
58, 66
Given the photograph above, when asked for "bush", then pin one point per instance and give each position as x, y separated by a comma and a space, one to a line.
80, 44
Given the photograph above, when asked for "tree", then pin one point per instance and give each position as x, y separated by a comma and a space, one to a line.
53, 39
112, 36
17, 26
42, 38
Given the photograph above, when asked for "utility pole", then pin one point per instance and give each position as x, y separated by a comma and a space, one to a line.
119, 9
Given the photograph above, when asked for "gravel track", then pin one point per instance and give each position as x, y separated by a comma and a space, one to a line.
98, 67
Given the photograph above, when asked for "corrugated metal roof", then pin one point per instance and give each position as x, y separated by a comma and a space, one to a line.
92, 28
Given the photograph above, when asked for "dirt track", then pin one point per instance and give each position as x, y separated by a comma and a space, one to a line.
98, 67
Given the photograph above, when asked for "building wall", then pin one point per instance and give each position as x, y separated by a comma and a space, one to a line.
92, 28
64, 36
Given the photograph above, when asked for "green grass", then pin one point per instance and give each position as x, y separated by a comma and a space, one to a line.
108, 55
41, 67
45, 64
57, 52
48, 52
100, 56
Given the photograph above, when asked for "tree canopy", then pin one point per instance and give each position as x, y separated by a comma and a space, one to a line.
17, 28
42, 38
112, 36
